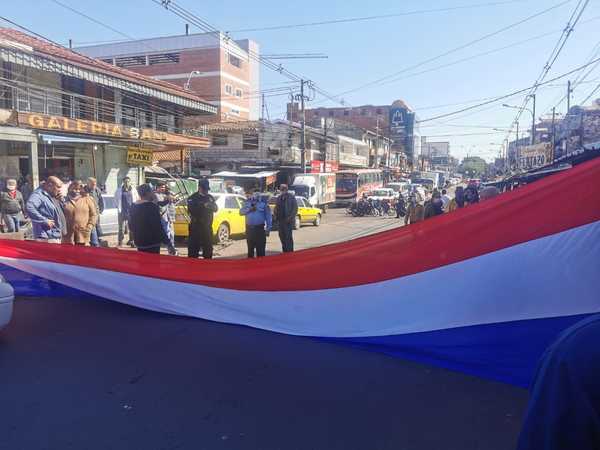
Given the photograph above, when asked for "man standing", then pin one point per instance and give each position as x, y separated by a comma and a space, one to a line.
146, 226
167, 214
400, 206
286, 210
258, 223
45, 211
125, 197
96, 194
414, 213
11, 206
434, 207
445, 200
201, 208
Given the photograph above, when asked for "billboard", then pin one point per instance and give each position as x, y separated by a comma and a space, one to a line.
402, 123
435, 149
534, 156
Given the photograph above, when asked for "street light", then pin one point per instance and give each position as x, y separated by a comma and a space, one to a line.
186, 86
532, 117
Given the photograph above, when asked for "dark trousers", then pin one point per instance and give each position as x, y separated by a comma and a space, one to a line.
200, 237
155, 249
256, 238
124, 228
285, 236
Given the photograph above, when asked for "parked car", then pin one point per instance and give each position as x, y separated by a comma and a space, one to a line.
307, 214
382, 194
7, 297
109, 219
399, 187
227, 220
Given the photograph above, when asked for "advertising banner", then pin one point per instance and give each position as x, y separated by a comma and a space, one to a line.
533, 156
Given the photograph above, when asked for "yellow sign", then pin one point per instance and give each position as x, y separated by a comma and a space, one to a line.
42, 121
139, 156
533, 156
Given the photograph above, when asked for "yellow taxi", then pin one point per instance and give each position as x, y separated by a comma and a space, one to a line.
307, 214
227, 220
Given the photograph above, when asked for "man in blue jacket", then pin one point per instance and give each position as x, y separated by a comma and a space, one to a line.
258, 223
45, 211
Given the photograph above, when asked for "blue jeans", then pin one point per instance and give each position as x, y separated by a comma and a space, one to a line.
11, 223
94, 241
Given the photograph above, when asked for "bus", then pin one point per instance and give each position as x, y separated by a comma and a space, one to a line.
351, 184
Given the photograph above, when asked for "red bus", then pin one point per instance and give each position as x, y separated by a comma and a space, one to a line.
351, 184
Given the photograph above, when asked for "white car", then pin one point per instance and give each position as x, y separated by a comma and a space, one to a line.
109, 219
400, 187
7, 297
382, 194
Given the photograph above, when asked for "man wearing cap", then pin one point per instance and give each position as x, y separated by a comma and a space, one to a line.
201, 208
258, 223
11, 206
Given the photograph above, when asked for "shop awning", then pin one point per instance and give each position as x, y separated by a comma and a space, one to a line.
50, 138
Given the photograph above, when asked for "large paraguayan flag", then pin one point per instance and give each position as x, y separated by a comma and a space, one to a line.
483, 290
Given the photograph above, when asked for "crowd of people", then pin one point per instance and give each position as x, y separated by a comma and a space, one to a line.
61, 213
441, 202
146, 214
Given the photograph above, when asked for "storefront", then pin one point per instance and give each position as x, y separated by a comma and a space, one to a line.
78, 149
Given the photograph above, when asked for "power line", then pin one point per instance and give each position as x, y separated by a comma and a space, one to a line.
575, 16
455, 49
172, 6
376, 17
512, 94
98, 22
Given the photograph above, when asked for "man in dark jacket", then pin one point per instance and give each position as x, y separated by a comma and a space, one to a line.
96, 194
145, 224
11, 206
286, 210
201, 208
434, 207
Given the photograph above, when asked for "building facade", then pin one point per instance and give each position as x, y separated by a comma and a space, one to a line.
64, 114
396, 122
213, 66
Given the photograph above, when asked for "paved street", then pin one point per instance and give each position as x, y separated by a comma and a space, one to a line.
336, 226
96, 375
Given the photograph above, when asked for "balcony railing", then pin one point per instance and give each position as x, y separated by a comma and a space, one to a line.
54, 102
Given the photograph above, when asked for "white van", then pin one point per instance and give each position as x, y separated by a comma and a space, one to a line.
317, 188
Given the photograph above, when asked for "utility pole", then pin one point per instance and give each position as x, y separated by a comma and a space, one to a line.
553, 131
303, 135
376, 165
262, 114
516, 147
569, 91
533, 122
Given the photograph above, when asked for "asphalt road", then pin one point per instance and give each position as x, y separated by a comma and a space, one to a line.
89, 374
336, 226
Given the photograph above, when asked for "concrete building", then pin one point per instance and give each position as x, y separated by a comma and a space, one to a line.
223, 71
271, 144
68, 115
396, 122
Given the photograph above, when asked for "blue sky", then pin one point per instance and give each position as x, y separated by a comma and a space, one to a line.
360, 52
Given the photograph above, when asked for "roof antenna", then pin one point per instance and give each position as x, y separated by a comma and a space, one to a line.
187, 29
70, 43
